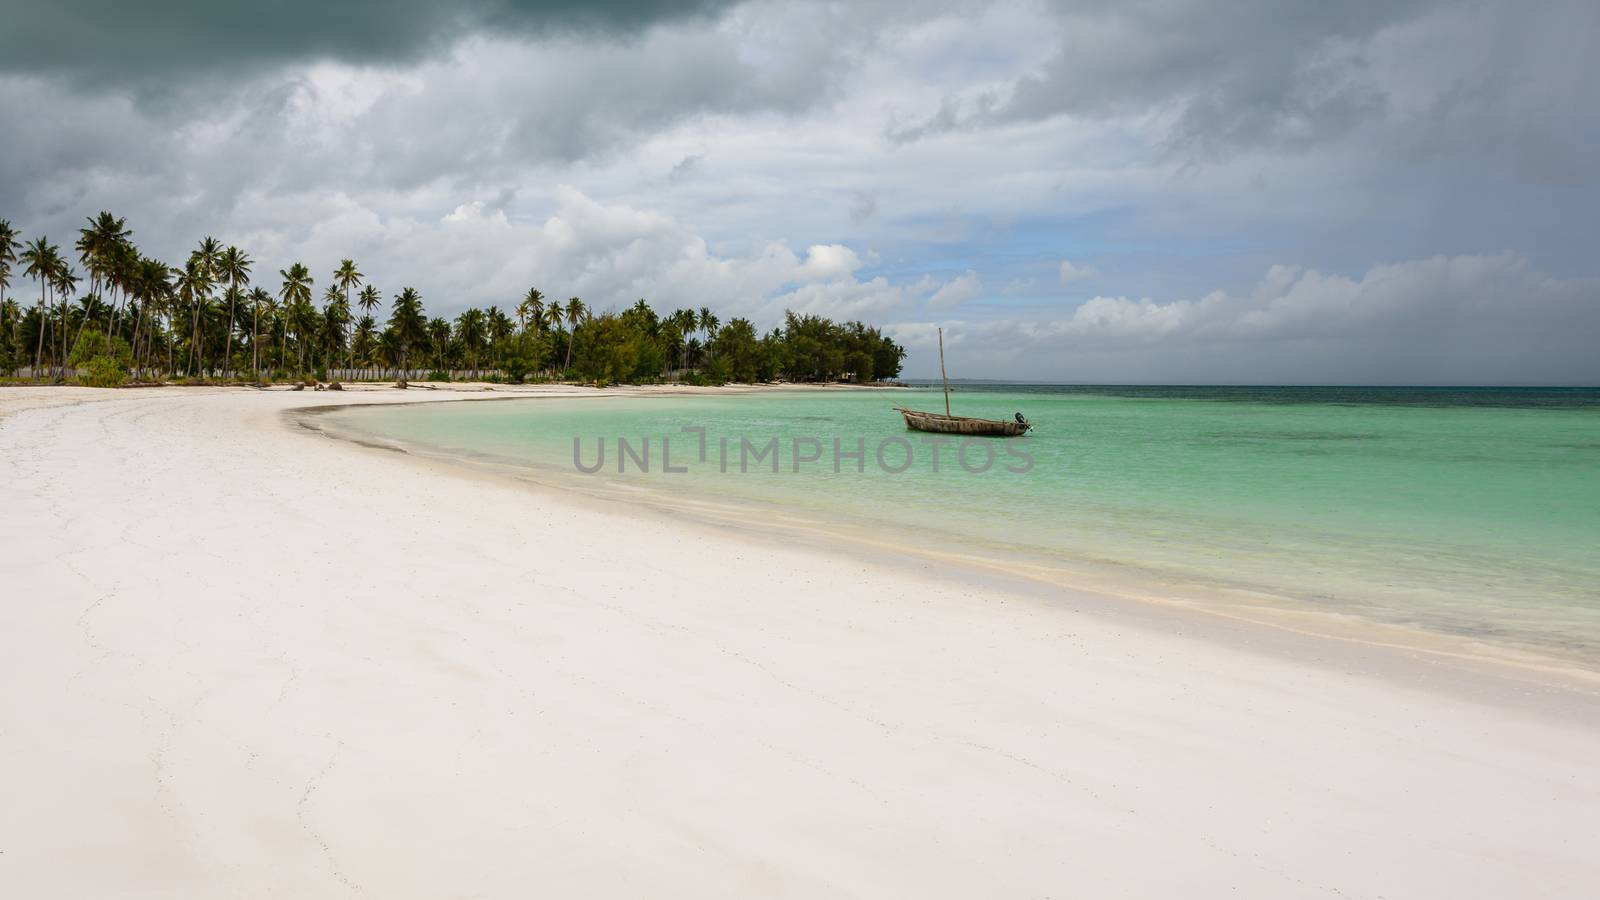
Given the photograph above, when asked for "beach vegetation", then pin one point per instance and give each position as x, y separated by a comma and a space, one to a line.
103, 372
208, 318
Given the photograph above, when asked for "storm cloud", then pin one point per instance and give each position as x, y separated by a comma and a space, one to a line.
1301, 190
94, 42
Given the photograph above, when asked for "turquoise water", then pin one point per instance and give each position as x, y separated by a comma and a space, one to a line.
1472, 512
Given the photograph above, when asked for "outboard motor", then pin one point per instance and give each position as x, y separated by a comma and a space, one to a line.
1021, 420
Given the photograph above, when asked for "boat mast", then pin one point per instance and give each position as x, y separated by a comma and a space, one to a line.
942, 375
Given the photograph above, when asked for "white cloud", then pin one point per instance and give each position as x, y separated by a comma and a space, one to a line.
609, 254
1442, 320
830, 261
1073, 272
956, 291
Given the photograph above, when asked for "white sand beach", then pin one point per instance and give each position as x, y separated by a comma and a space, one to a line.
242, 659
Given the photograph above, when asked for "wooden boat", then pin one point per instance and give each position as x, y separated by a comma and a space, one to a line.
943, 424
917, 420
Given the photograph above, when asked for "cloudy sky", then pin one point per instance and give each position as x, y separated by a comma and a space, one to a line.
1100, 191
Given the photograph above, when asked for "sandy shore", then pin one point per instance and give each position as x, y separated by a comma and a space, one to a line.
239, 659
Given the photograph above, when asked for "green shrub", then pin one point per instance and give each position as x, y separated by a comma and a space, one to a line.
103, 372
715, 377
93, 344
437, 375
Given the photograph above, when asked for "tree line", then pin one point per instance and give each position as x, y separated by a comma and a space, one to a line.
215, 318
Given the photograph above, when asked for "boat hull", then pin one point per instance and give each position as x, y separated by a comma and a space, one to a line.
942, 424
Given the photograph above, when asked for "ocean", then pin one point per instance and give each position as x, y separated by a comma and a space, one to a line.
1472, 512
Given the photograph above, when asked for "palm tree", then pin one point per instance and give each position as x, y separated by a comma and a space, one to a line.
499, 329
166, 307
204, 259
258, 298
98, 247
8, 255
296, 291
708, 324
193, 289
11, 320
234, 296
10, 314
575, 313
334, 313
388, 350
439, 337
684, 320
365, 340
347, 277
531, 309
209, 253
304, 320
469, 331
554, 315
233, 269
41, 259
5, 282
368, 300
66, 282
267, 309
152, 283
206, 313
335, 316
408, 325
124, 269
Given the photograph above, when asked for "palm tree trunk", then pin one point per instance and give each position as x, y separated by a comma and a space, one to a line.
93, 289
38, 350
66, 326
349, 335
138, 361
227, 357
